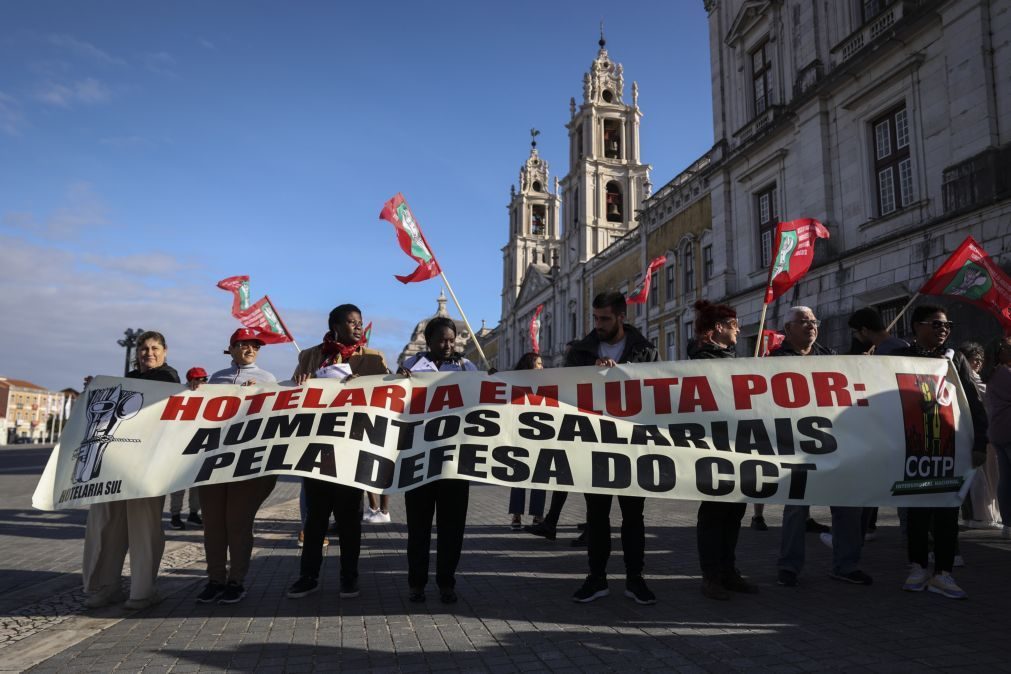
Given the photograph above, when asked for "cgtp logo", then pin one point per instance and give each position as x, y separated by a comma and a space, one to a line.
928, 403
107, 409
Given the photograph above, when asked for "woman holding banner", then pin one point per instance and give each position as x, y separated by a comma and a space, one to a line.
133, 524
529, 361
719, 522
445, 499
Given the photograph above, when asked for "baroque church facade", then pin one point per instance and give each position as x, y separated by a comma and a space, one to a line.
554, 233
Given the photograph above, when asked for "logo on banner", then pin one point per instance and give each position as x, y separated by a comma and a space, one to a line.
928, 419
107, 409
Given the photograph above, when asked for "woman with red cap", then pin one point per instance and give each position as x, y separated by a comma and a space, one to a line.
230, 507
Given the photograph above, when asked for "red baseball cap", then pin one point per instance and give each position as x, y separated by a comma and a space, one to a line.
196, 373
244, 335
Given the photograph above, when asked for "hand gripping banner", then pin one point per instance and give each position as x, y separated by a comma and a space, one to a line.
844, 430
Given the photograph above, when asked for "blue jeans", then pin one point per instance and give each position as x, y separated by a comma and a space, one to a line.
517, 496
1004, 483
847, 538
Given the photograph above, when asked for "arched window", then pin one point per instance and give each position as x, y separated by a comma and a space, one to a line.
612, 139
615, 204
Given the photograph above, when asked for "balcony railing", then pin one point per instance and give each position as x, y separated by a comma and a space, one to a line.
873, 28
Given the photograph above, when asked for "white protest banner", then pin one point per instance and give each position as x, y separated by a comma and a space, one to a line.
844, 430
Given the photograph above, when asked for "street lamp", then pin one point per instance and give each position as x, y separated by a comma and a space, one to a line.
129, 342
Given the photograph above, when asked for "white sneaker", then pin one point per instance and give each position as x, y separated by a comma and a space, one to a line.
381, 518
944, 584
917, 579
826, 539
138, 604
369, 515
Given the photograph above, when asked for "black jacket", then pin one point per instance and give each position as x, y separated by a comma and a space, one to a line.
965, 375
701, 350
164, 372
638, 349
816, 350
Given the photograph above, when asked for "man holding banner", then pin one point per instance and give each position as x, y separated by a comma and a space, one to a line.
612, 342
801, 331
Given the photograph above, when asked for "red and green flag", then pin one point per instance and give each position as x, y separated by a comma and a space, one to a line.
794, 254
260, 317
970, 275
535, 329
640, 296
411, 240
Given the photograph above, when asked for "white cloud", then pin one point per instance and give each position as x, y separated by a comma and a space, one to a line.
82, 209
84, 49
63, 319
140, 265
205, 43
10, 115
161, 63
88, 91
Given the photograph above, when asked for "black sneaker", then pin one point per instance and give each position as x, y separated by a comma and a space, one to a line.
349, 589
758, 523
579, 541
177, 522
786, 578
813, 527
417, 595
302, 587
212, 592
593, 588
540, 530
195, 518
234, 593
447, 595
635, 588
857, 577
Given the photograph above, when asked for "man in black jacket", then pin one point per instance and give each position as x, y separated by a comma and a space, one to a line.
612, 342
801, 330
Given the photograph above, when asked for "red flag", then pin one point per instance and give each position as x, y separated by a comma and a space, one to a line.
264, 319
239, 287
535, 329
411, 240
640, 296
771, 340
969, 274
794, 254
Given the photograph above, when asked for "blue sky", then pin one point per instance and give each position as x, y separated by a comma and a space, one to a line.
148, 150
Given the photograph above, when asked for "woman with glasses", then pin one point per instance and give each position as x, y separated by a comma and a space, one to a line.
230, 508
997, 375
932, 329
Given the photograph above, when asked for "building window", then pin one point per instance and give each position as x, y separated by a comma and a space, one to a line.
761, 77
707, 263
765, 206
537, 220
672, 347
688, 269
871, 8
669, 283
654, 292
689, 333
889, 310
615, 205
612, 138
572, 326
893, 168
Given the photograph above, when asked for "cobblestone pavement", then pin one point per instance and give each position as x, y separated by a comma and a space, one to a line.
515, 612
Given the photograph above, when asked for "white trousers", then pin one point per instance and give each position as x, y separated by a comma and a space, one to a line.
116, 527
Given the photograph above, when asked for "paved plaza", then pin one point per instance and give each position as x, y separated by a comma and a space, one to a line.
515, 613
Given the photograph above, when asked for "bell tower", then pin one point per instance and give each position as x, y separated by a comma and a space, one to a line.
607, 182
533, 224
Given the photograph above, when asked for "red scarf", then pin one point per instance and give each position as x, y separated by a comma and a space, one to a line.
337, 352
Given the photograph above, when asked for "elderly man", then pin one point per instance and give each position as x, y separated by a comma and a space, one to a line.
230, 507
801, 331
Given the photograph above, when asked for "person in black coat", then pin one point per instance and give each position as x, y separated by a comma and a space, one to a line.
612, 342
719, 522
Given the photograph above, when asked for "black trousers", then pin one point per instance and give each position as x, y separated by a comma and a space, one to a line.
943, 523
718, 528
555, 509
321, 499
447, 501
598, 533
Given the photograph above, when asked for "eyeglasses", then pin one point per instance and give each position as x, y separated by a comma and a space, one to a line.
354, 324
813, 322
255, 346
938, 325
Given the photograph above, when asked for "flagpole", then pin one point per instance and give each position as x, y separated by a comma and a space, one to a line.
899, 315
281, 321
473, 336
761, 327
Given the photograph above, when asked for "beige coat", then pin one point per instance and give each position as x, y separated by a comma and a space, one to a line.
364, 362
